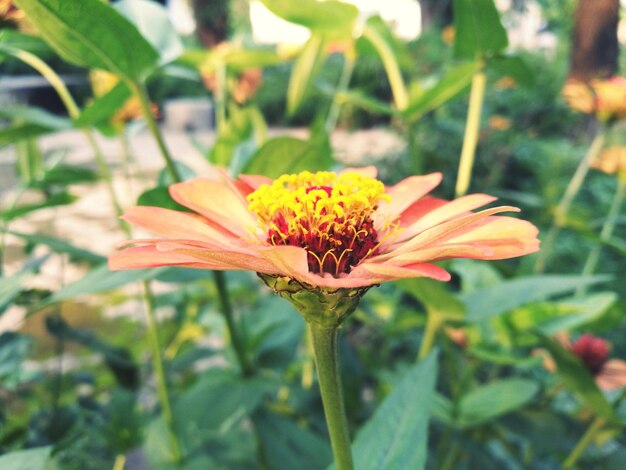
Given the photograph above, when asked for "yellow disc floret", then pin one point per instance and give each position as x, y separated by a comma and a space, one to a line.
327, 214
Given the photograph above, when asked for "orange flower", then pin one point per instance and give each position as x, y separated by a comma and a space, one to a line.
605, 98
611, 160
326, 230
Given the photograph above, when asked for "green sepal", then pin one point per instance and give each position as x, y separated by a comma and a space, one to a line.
321, 306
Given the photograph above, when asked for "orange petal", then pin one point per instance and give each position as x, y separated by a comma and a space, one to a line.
255, 181
384, 272
439, 253
175, 224
444, 212
507, 236
445, 231
141, 257
612, 376
405, 193
217, 201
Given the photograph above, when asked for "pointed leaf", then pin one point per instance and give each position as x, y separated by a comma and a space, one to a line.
488, 302
288, 445
450, 85
397, 434
494, 400
104, 107
328, 16
478, 30
91, 33
282, 155
305, 71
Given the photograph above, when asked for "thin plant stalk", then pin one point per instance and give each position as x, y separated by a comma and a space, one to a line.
139, 90
327, 362
120, 461
472, 129
73, 111
227, 312
584, 442
607, 230
430, 333
159, 372
561, 211
342, 87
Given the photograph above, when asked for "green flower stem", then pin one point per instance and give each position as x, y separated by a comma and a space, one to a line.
139, 90
73, 111
560, 213
607, 230
227, 311
159, 372
584, 442
430, 333
472, 128
327, 362
342, 86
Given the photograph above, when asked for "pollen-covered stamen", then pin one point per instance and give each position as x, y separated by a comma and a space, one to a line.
328, 215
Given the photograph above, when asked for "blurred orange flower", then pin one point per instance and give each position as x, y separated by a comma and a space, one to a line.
324, 229
604, 98
611, 160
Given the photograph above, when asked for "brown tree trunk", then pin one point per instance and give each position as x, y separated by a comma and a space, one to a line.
595, 47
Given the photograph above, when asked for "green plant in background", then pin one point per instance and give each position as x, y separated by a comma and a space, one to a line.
493, 405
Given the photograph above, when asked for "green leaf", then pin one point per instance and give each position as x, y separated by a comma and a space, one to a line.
552, 317
437, 300
305, 71
98, 280
282, 155
397, 434
376, 32
514, 67
16, 40
360, 99
117, 359
92, 34
38, 458
478, 30
488, 302
330, 17
218, 401
38, 116
10, 287
15, 133
152, 21
236, 132
65, 175
453, 83
578, 379
159, 197
61, 246
103, 108
494, 400
58, 199
288, 445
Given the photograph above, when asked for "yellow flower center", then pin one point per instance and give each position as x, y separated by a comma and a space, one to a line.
328, 215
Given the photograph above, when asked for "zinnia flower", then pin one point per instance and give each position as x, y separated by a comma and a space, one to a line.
593, 353
323, 230
604, 97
